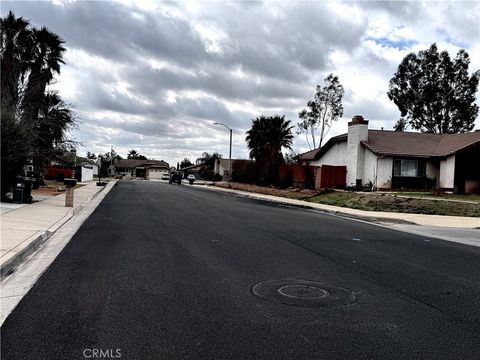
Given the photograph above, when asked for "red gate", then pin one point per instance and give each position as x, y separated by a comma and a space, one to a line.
333, 176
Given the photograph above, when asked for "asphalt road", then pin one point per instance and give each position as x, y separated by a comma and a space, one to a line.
166, 272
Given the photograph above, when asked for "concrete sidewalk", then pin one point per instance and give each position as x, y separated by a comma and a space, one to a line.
25, 228
418, 219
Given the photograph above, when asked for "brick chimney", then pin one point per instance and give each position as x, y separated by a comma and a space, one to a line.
357, 132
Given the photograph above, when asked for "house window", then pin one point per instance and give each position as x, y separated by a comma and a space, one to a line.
408, 168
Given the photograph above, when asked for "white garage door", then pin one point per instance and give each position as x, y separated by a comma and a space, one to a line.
156, 173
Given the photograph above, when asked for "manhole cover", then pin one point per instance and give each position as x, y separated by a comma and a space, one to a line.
302, 291
306, 293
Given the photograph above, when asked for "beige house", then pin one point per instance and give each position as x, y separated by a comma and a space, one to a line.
403, 160
149, 169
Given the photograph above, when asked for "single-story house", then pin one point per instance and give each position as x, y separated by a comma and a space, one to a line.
195, 170
402, 160
149, 169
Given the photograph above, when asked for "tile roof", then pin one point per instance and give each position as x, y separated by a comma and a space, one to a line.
133, 163
317, 153
395, 143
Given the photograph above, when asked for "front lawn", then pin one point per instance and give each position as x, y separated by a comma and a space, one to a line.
390, 202
403, 203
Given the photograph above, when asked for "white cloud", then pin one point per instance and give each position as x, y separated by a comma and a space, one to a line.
154, 76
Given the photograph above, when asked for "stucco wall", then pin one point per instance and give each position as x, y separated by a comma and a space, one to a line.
384, 173
370, 167
447, 172
87, 173
378, 170
336, 155
356, 152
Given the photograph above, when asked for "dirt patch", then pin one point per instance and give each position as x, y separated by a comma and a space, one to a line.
52, 188
291, 193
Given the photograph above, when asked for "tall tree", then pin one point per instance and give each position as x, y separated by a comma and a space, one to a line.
46, 59
15, 139
91, 156
434, 93
401, 125
16, 42
55, 118
133, 154
265, 139
185, 163
320, 112
106, 160
30, 58
208, 159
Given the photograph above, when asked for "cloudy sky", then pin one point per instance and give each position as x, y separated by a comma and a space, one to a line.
154, 76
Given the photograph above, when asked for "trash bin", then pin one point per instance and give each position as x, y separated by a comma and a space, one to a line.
35, 178
27, 190
18, 190
18, 195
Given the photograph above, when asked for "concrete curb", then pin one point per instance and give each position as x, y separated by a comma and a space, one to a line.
306, 205
9, 266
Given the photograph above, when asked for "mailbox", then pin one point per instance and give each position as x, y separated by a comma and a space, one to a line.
70, 182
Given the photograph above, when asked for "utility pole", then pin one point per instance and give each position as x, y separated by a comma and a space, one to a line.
230, 152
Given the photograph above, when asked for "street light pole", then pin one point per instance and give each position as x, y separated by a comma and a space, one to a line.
230, 152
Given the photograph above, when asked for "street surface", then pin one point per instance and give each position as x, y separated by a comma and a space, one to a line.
164, 271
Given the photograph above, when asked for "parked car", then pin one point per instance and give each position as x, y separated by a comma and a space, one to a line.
191, 178
175, 177
165, 177
59, 172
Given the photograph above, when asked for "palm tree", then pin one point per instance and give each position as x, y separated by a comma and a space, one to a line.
34, 122
16, 41
15, 139
265, 139
209, 159
47, 57
55, 118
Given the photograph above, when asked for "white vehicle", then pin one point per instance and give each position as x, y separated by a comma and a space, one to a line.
165, 177
191, 177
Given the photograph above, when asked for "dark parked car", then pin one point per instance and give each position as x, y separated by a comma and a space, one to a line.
175, 177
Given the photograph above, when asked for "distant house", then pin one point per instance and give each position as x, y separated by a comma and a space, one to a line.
402, 160
149, 169
196, 170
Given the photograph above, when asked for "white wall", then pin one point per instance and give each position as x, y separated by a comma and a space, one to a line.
370, 168
447, 172
336, 155
384, 173
356, 152
87, 173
